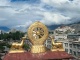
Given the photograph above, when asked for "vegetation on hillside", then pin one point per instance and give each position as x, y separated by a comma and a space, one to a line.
14, 36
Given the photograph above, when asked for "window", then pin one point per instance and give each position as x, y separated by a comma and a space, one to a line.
66, 50
70, 51
70, 45
52, 32
74, 45
49, 46
66, 44
78, 46
78, 53
49, 41
74, 53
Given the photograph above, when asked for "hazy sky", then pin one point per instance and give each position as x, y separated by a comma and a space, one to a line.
21, 13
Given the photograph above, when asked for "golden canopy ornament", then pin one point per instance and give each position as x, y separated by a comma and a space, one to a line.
37, 34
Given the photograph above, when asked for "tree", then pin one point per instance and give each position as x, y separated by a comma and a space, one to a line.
26, 47
12, 35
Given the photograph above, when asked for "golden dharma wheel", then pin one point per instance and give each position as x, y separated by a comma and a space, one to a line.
37, 33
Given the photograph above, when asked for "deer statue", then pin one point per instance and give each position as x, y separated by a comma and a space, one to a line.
56, 45
18, 45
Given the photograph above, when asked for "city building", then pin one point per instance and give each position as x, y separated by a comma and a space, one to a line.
48, 43
72, 45
60, 37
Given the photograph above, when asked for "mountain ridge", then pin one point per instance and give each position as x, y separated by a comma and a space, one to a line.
4, 28
51, 27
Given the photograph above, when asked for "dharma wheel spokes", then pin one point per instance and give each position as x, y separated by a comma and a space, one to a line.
38, 33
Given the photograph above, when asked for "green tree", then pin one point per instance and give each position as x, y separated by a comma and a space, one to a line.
15, 35
26, 47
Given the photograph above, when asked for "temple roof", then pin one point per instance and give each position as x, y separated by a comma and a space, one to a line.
38, 56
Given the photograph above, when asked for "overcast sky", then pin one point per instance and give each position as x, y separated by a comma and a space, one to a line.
21, 13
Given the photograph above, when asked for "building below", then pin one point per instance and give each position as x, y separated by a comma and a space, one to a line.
72, 45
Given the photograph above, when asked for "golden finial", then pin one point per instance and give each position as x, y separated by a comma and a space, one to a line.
37, 34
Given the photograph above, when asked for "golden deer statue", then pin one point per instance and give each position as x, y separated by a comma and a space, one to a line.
17, 47
56, 45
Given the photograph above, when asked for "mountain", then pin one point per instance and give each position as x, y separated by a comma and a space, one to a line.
76, 26
52, 27
4, 28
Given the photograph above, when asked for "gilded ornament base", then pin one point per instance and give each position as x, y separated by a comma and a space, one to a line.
17, 51
38, 49
57, 50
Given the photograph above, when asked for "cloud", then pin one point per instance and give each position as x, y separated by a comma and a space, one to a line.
55, 18
23, 27
55, 2
69, 8
4, 2
21, 13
